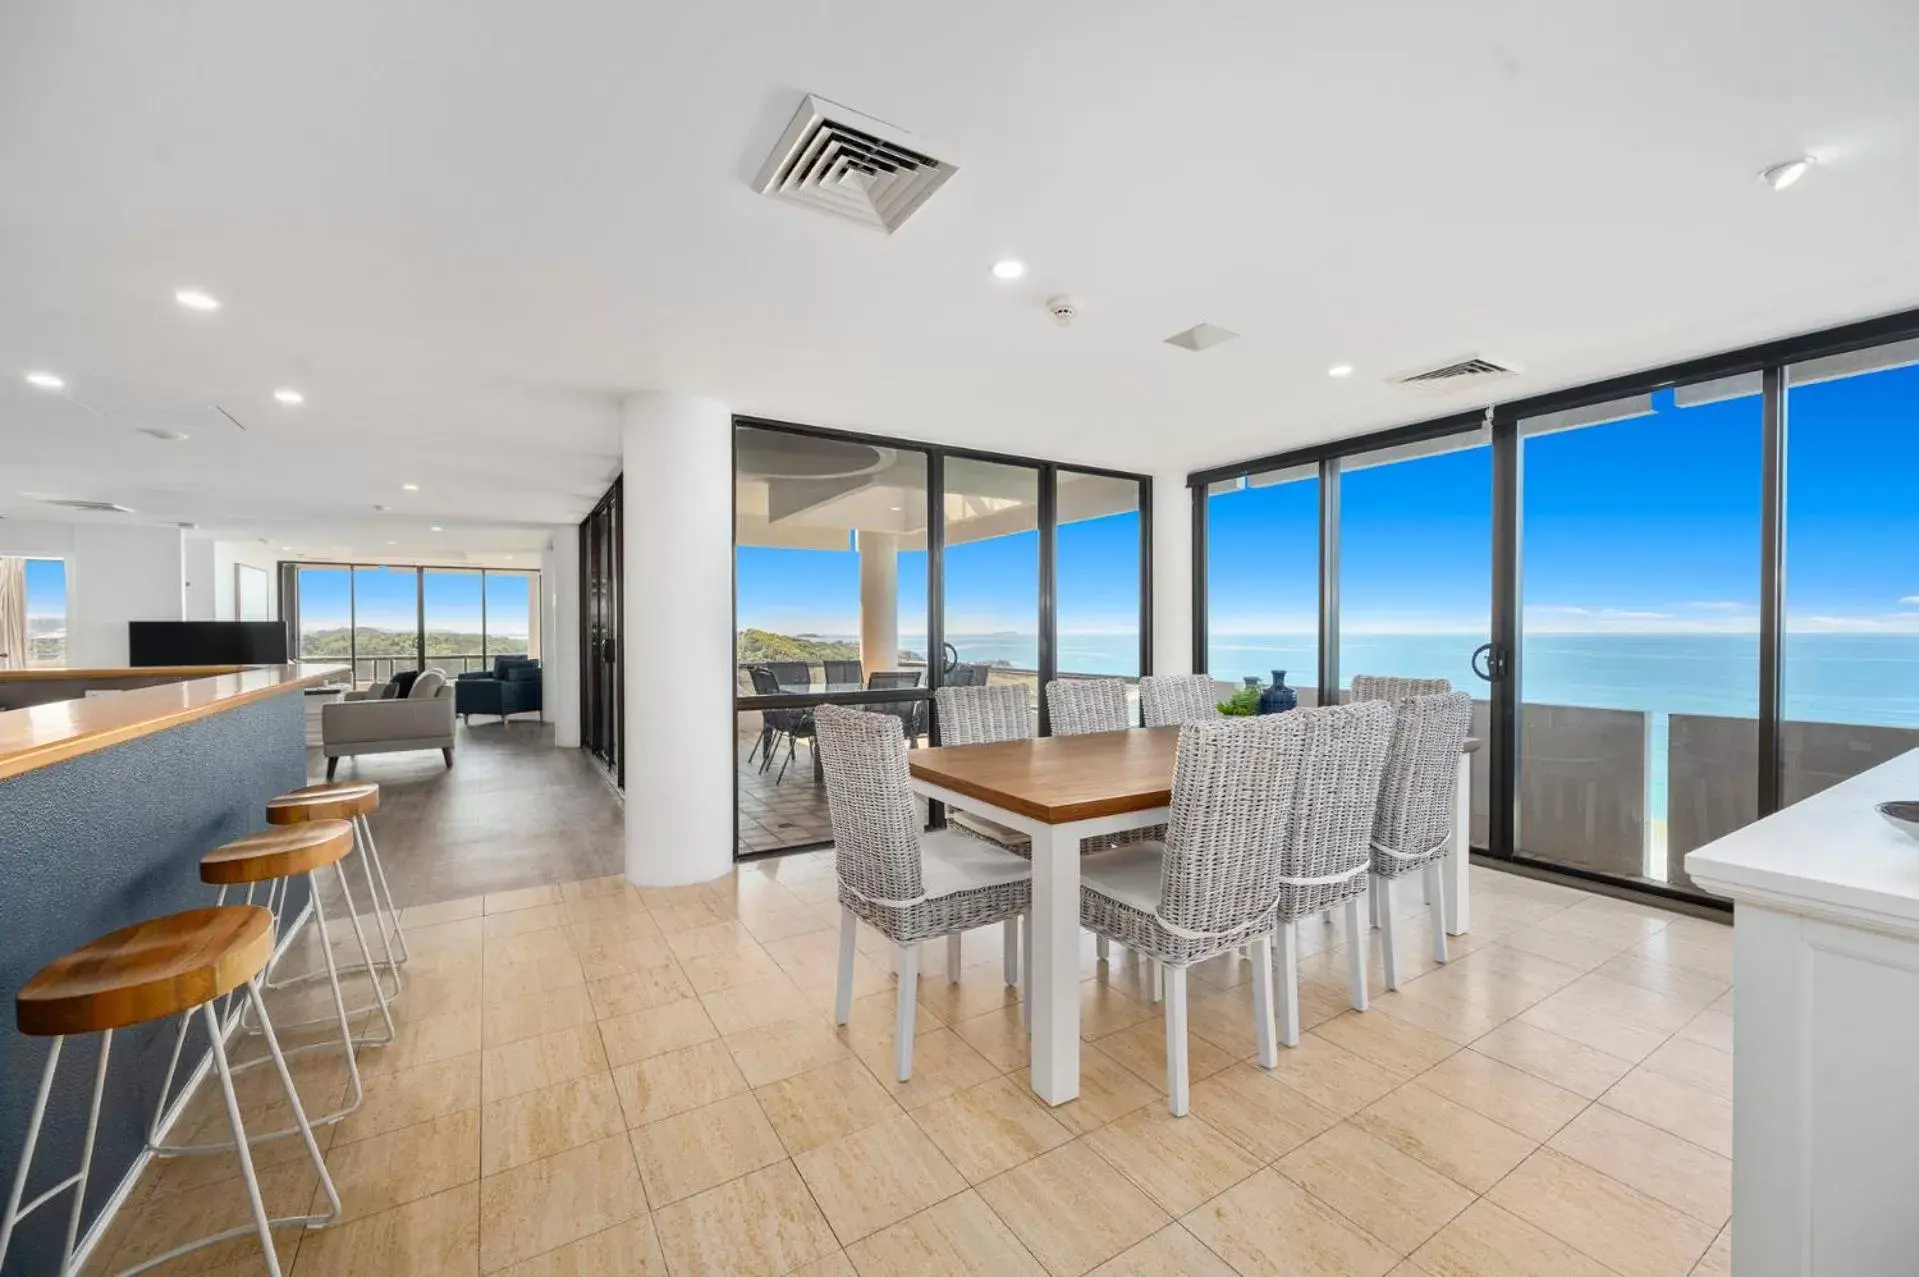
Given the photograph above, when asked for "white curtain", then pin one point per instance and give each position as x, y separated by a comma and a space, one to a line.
15, 649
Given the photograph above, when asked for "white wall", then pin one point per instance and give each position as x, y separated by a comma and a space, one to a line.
200, 603
560, 635
116, 573
1172, 574
228, 553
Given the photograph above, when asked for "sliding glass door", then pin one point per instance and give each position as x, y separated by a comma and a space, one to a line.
992, 574
1262, 579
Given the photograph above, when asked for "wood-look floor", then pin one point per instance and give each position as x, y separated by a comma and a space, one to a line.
592, 1079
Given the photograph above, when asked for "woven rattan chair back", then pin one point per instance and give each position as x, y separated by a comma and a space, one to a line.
982, 715
1389, 687
1234, 791
876, 825
1416, 797
1077, 706
1166, 700
1327, 849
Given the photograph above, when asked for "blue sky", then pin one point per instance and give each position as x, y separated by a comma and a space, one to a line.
46, 588
385, 598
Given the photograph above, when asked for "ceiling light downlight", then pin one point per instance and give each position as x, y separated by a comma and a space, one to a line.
1340, 370
195, 299
1780, 176
438, 528
289, 396
1008, 268
46, 380
409, 487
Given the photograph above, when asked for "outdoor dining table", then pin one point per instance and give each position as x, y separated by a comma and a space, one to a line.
1059, 790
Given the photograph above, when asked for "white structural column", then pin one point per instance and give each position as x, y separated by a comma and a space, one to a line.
678, 617
560, 635
1172, 574
879, 600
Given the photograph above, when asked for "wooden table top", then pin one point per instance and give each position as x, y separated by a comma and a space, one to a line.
40, 735
1056, 779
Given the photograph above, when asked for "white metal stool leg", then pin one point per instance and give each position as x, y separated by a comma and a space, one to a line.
393, 911
77, 1182
382, 1001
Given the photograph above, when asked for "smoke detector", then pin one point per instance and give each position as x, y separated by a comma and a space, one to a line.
837, 161
1063, 309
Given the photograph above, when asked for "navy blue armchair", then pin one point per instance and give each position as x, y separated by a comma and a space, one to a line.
511, 687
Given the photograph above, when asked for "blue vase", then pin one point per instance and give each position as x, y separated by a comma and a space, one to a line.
1278, 698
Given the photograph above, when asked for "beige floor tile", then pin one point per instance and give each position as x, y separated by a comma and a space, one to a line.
1600, 1216
1717, 1261
597, 888
1142, 1049
1710, 1028
876, 1177
757, 1002
1396, 1198
529, 979
498, 927
1000, 1036
1107, 1089
1512, 1097
716, 937
543, 1013
543, 1205
691, 1152
676, 1081
1268, 1224
446, 911
1593, 1025
1331, 1076
833, 1265
1393, 1045
942, 1064
631, 1249
1687, 1060
875, 1015
525, 944
1258, 1112
959, 1236
437, 1236
1663, 977
627, 929
1171, 1252
1226, 1021
1688, 1111
641, 990
1571, 948
1072, 1210
423, 1041
1569, 1065
418, 1094
782, 1049
823, 1105
728, 969
534, 1063
655, 1031
605, 956
1104, 1010
537, 1124
167, 1222
759, 1225
390, 1170
524, 898
1487, 1241
1179, 1162
1678, 1173
990, 1128
1452, 1139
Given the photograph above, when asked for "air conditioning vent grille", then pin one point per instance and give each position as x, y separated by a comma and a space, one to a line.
1470, 367
841, 162
93, 507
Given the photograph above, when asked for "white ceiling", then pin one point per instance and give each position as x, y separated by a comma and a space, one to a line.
463, 229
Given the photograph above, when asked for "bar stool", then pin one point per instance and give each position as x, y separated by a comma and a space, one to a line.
349, 800
275, 856
138, 974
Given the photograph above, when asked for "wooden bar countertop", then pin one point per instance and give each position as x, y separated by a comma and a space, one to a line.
44, 734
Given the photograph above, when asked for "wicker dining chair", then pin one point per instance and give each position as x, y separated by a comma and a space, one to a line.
982, 716
1391, 687
1077, 706
1413, 825
1213, 885
907, 884
1166, 700
1326, 853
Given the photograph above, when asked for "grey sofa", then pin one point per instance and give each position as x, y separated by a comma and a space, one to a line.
374, 722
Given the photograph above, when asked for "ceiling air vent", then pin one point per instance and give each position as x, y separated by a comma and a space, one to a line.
841, 162
1468, 370
1201, 337
93, 507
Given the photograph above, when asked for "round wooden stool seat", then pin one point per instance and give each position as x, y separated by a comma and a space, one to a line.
335, 800
282, 852
148, 971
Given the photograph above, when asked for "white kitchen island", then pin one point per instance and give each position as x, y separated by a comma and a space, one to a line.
1825, 1032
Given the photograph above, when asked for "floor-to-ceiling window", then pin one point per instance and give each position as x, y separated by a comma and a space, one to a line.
992, 598
387, 620
451, 603
1098, 549
512, 614
324, 603
1262, 578
33, 613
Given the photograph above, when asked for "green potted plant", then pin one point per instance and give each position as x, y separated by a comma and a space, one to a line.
1241, 704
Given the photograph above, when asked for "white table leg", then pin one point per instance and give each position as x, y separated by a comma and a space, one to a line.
1055, 964
1459, 914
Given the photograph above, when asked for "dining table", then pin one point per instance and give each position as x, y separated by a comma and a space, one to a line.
1059, 790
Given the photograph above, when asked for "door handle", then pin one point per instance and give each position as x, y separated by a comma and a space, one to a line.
1493, 666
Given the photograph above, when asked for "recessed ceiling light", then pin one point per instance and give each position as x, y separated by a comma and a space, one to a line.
286, 549
1780, 176
1340, 370
194, 299
289, 396
410, 487
393, 543
1008, 268
437, 528
46, 381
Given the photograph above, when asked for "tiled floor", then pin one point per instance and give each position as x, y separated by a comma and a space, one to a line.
596, 1080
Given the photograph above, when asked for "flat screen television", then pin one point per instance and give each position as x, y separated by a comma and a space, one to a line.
206, 643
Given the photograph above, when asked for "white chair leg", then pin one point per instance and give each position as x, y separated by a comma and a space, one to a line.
849, 934
1288, 981
1372, 903
908, 1004
1159, 981
1356, 938
953, 957
1435, 877
1026, 970
1263, 1002
1009, 951
1388, 930
1103, 948
1177, 1098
